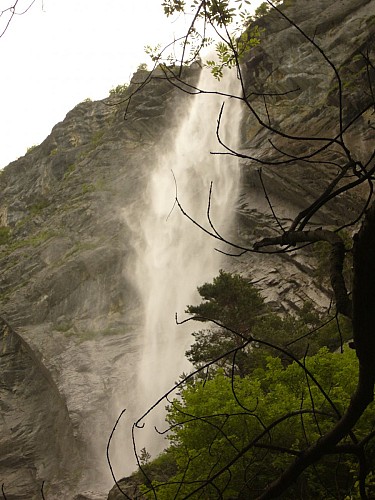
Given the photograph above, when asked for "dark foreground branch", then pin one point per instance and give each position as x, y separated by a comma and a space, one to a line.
363, 331
337, 257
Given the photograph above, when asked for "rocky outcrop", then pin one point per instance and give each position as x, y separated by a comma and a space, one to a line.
36, 440
302, 101
305, 101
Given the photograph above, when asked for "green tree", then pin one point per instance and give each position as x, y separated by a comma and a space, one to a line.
232, 301
237, 312
262, 421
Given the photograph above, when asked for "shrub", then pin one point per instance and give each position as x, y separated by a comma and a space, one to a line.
119, 89
31, 148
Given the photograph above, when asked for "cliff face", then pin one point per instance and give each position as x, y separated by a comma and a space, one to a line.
65, 283
37, 439
67, 212
302, 100
62, 281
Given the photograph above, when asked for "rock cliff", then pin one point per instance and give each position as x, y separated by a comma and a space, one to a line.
301, 100
37, 440
65, 285
67, 212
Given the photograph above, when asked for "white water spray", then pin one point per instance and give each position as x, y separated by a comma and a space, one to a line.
173, 255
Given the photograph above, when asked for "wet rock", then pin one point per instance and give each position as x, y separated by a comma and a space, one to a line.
36, 440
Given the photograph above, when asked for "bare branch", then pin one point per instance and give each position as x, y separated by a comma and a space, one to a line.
107, 454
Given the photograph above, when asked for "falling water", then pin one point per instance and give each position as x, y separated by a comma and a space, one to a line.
173, 255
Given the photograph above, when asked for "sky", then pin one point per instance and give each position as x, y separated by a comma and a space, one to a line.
61, 52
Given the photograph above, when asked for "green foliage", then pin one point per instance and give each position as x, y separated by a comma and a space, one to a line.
5, 235
239, 33
71, 168
33, 241
233, 302
144, 457
118, 90
39, 238
370, 488
97, 138
88, 188
153, 52
31, 148
99, 185
220, 12
214, 420
39, 206
53, 152
231, 54
172, 6
160, 470
262, 10
265, 7
142, 67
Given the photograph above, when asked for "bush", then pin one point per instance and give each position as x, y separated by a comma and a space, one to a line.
120, 89
213, 420
31, 148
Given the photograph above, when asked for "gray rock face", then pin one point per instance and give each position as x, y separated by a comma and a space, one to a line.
36, 440
302, 102
66, 281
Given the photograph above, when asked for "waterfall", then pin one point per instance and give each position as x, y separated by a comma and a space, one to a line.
173, 255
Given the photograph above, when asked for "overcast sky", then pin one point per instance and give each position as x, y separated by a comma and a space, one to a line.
63, 51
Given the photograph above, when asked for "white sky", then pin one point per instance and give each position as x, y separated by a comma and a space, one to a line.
63, 51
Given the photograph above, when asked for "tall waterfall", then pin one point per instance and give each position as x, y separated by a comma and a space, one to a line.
173, 255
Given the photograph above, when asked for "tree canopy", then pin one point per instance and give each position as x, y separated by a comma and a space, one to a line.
231, 438
236, 312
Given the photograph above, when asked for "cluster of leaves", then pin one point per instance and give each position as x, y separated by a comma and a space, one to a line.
229, 55
230, 21
31, 148
219, 12
239, 312
119, 89
38, 206
232, 430
263, 419
264, 8
172, 6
